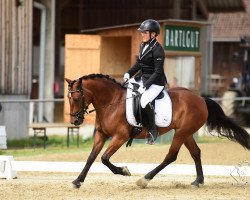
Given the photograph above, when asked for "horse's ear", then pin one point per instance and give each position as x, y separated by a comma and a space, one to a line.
68, 80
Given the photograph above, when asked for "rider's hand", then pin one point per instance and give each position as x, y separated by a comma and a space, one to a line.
126, 77
141, 89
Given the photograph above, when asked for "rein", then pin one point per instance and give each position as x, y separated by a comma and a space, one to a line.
126, 86
108, 105
84, 109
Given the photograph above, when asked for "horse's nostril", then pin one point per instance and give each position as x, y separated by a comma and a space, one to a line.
76, 121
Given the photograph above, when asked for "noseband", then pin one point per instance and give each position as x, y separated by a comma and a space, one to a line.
84, 109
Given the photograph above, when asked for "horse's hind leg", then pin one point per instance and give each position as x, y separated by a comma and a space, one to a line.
170, 157
114, 145
196, 155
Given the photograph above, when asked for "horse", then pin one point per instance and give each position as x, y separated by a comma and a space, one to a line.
190, 113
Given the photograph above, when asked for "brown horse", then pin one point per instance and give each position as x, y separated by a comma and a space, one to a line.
190, 112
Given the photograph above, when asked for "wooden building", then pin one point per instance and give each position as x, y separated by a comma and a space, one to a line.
113, 50
228, 55
16, 43
15, 64
190, 67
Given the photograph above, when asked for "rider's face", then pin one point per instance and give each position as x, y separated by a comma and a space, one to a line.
146, 36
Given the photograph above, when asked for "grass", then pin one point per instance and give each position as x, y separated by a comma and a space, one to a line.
58, 145
54, 145
210, 139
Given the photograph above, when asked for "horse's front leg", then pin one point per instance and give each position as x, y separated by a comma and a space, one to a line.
114, 145
97, 147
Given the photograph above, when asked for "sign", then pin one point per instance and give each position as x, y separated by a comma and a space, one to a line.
181, 38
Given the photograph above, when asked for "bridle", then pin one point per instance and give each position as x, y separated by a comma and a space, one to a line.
84, 109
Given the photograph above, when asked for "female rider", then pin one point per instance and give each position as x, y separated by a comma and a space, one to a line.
152, 78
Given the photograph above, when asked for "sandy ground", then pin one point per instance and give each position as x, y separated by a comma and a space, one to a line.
40, 185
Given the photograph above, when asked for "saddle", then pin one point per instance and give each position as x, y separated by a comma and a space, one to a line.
140, 117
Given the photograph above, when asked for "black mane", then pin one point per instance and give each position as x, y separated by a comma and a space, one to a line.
103, 76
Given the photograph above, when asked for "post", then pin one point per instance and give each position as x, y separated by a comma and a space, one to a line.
41, 58
6, 170
50, 59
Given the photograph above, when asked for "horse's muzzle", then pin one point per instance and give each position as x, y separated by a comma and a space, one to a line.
77, 121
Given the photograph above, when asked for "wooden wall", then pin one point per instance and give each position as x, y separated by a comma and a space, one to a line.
224, 63
82, 57
15, 47
115, 56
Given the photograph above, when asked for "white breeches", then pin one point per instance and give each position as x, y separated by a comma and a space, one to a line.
150, 94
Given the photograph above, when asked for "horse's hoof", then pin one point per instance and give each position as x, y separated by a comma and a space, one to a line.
142, 182
76, 184
197, 183
125, 171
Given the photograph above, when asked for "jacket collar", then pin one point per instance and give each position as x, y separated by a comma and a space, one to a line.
149, 48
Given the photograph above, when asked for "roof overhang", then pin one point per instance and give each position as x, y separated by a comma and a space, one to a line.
206, 7
225, 39
163, 21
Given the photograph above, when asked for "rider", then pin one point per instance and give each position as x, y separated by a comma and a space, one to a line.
150, 63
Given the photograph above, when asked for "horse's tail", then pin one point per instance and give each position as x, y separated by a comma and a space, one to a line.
225, 126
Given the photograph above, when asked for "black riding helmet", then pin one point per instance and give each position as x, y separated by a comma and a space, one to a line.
150, 25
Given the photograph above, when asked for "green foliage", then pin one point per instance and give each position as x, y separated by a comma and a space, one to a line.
54, 144
38, 142
58, 144
210, 139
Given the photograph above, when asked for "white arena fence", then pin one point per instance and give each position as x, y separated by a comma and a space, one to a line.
9, 168
227, 102
33, 105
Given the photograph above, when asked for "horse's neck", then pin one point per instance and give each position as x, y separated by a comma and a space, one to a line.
103, 91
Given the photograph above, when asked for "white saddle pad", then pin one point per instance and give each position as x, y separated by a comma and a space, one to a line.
163, 110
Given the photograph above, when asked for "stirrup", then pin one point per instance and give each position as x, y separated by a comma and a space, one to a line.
151, 140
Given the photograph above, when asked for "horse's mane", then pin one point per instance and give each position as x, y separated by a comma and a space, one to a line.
102, 76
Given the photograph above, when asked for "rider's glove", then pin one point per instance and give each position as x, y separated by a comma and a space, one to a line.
141, 89
126, 77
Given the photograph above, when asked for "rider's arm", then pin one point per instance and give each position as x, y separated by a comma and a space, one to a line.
135, 68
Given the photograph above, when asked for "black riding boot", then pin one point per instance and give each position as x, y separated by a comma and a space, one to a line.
153, 133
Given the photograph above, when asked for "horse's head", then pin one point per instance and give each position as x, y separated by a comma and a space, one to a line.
76, 101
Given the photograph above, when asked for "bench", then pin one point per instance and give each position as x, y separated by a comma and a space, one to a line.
40, 128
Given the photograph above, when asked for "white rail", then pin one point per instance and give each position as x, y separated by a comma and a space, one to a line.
135, 168
30, 100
